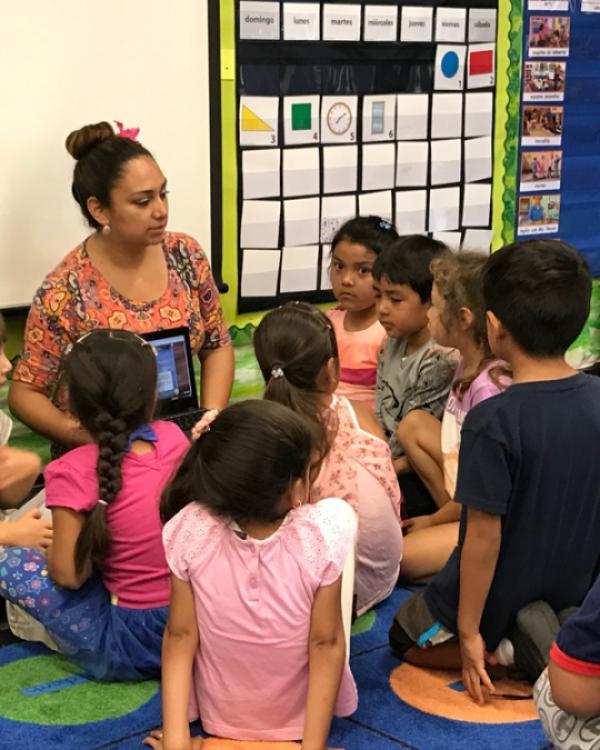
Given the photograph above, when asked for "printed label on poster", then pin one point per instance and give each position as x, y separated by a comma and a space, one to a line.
540, 170
549, 36
590, 6
538, 214
544, 81
542, 126
548, 4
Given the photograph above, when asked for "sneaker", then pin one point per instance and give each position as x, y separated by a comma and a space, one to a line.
535, 630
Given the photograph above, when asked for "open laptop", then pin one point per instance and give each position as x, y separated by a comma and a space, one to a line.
177, 395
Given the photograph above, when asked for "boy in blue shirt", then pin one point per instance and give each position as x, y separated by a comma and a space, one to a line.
528, 480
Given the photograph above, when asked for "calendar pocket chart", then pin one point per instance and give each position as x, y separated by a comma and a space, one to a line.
346, 108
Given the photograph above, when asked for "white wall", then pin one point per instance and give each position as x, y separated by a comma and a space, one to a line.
66, 63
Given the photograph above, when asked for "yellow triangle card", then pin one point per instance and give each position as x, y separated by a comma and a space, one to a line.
251, 122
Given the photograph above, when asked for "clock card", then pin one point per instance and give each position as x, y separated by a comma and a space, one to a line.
339, 119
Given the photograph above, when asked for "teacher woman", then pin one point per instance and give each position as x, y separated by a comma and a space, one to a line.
130, 273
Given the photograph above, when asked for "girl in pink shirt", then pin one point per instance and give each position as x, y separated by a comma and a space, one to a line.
255, 632
457, 319
296, 350
103, 591
358, 332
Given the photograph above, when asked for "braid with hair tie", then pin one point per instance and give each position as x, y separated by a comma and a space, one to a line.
112, 443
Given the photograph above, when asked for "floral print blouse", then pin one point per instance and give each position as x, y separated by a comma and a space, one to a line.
75, 298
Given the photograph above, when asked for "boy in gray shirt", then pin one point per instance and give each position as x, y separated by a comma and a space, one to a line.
413, 372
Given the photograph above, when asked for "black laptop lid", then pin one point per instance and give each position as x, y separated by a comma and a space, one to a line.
175, 365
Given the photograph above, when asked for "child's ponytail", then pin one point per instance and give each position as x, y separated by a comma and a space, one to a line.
111, 382
245, 465
292, 345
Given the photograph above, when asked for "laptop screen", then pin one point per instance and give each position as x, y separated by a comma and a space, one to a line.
176, 382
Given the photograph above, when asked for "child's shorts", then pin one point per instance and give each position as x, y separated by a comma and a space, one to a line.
414, 625
566, 732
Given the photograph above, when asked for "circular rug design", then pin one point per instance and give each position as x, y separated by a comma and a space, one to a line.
441, 693
49, 690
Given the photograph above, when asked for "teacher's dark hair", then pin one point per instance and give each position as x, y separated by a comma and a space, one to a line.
101, 157
111, 381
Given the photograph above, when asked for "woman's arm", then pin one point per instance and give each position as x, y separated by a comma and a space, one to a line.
67, 525
180, 643
216, 369
326, 657
35, 409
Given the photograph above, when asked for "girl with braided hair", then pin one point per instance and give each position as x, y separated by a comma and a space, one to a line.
103, 590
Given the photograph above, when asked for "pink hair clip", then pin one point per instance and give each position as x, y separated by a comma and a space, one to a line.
131, 133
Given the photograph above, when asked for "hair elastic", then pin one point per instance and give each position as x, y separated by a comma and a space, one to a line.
385, 225
277, 372
102, 502
131, 133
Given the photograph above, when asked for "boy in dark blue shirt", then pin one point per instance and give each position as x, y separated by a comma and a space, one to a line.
528, 479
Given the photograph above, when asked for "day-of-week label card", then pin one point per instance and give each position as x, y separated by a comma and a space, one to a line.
381, 23
590, 6
302, 21
417, 24
341, 23
482, 25
450, 24
259, 20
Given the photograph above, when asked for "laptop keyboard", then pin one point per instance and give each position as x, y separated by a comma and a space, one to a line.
188, 420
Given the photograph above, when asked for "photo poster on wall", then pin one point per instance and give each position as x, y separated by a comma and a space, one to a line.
357, 108
559, 156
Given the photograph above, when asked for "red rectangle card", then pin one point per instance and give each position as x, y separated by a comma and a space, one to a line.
481, 62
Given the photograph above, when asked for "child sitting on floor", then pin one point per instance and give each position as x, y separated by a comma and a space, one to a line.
359, 334
567, 695
296, 350
104, 501
18, 471
456, 320
255, 631
413, 372
526, 478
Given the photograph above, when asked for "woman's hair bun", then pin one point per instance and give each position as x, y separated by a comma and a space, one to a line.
79, 142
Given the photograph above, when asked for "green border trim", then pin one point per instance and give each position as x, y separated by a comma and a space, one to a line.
508, 102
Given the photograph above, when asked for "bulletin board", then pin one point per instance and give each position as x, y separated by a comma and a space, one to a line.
329, 109
559, 153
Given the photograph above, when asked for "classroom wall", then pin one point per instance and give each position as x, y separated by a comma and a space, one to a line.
70, 62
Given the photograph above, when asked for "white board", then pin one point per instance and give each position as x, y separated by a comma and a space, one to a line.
66, 63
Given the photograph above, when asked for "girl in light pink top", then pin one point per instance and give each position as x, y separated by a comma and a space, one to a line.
358, 332
457, 319
255, 632
297, 352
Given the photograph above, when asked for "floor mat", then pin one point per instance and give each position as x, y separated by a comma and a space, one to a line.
45, 702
